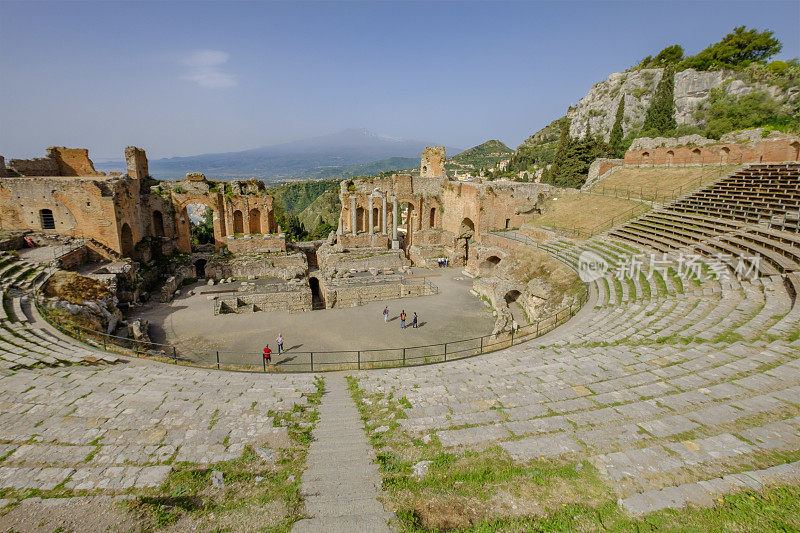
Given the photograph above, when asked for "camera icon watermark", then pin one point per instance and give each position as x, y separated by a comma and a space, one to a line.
591, 266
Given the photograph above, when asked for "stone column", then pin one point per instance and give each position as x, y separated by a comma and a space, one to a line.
385, 215
371, 222
395, 242
353, 221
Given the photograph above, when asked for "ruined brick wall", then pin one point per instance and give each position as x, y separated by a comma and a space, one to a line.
240, 208
770, 150
136, 162
74, 258
256, 244
354, 292
432, 162
81, 208
276, 265
359, 259
421, 193
294, 298
72, 161
364, 240
38, 166
491, 206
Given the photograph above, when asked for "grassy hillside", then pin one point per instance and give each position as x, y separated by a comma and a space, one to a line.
324, 209
485, 155
294, 197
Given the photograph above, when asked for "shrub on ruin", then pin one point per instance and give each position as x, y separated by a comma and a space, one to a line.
725, 113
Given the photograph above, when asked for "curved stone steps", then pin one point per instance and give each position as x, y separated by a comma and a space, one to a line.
706, 492
737, 402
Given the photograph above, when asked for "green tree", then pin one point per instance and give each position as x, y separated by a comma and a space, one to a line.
671, 55
617, 135
562, 151
203, 231
737, 49
660, 117
322, 230
293, 228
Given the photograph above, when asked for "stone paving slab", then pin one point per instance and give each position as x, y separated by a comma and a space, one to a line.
535, 447
704, 493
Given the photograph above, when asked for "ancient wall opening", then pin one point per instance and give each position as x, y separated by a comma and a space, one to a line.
158, 223
126, 240
255, 222
317, 299
238, 223
198, 221
47, 219
200, 268
512, 296
360, 219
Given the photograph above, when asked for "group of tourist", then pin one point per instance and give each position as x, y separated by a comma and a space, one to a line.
268, 350
443, 262
403, 317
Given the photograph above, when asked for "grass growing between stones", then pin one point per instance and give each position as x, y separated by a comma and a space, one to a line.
485, 490
259, 494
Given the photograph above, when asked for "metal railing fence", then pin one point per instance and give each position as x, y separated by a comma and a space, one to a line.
312, 361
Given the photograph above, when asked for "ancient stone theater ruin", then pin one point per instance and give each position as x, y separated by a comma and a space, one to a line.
633, 346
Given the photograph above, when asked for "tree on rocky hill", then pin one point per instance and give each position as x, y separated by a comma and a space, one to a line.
616, 137
573, 157
660, 117
671, 55
562, 150
737, 49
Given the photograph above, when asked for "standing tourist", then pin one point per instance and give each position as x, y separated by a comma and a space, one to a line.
267, 355
403, 319
414, 321
386, 314
279, 340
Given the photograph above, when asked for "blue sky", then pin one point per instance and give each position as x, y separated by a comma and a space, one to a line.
186, 78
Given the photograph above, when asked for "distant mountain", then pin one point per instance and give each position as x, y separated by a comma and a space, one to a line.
314, 158
484, 155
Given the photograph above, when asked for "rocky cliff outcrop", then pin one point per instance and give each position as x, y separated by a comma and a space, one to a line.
598, 108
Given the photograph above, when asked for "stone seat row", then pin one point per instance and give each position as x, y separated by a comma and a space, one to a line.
20, 275
623, 400
22, 345
744, 393
121, 427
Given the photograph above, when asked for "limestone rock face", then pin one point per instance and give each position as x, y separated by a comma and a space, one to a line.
692, 89
599, 107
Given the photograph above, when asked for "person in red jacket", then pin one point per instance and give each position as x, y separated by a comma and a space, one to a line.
267, 354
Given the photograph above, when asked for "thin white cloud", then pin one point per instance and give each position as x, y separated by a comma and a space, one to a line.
205, 68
